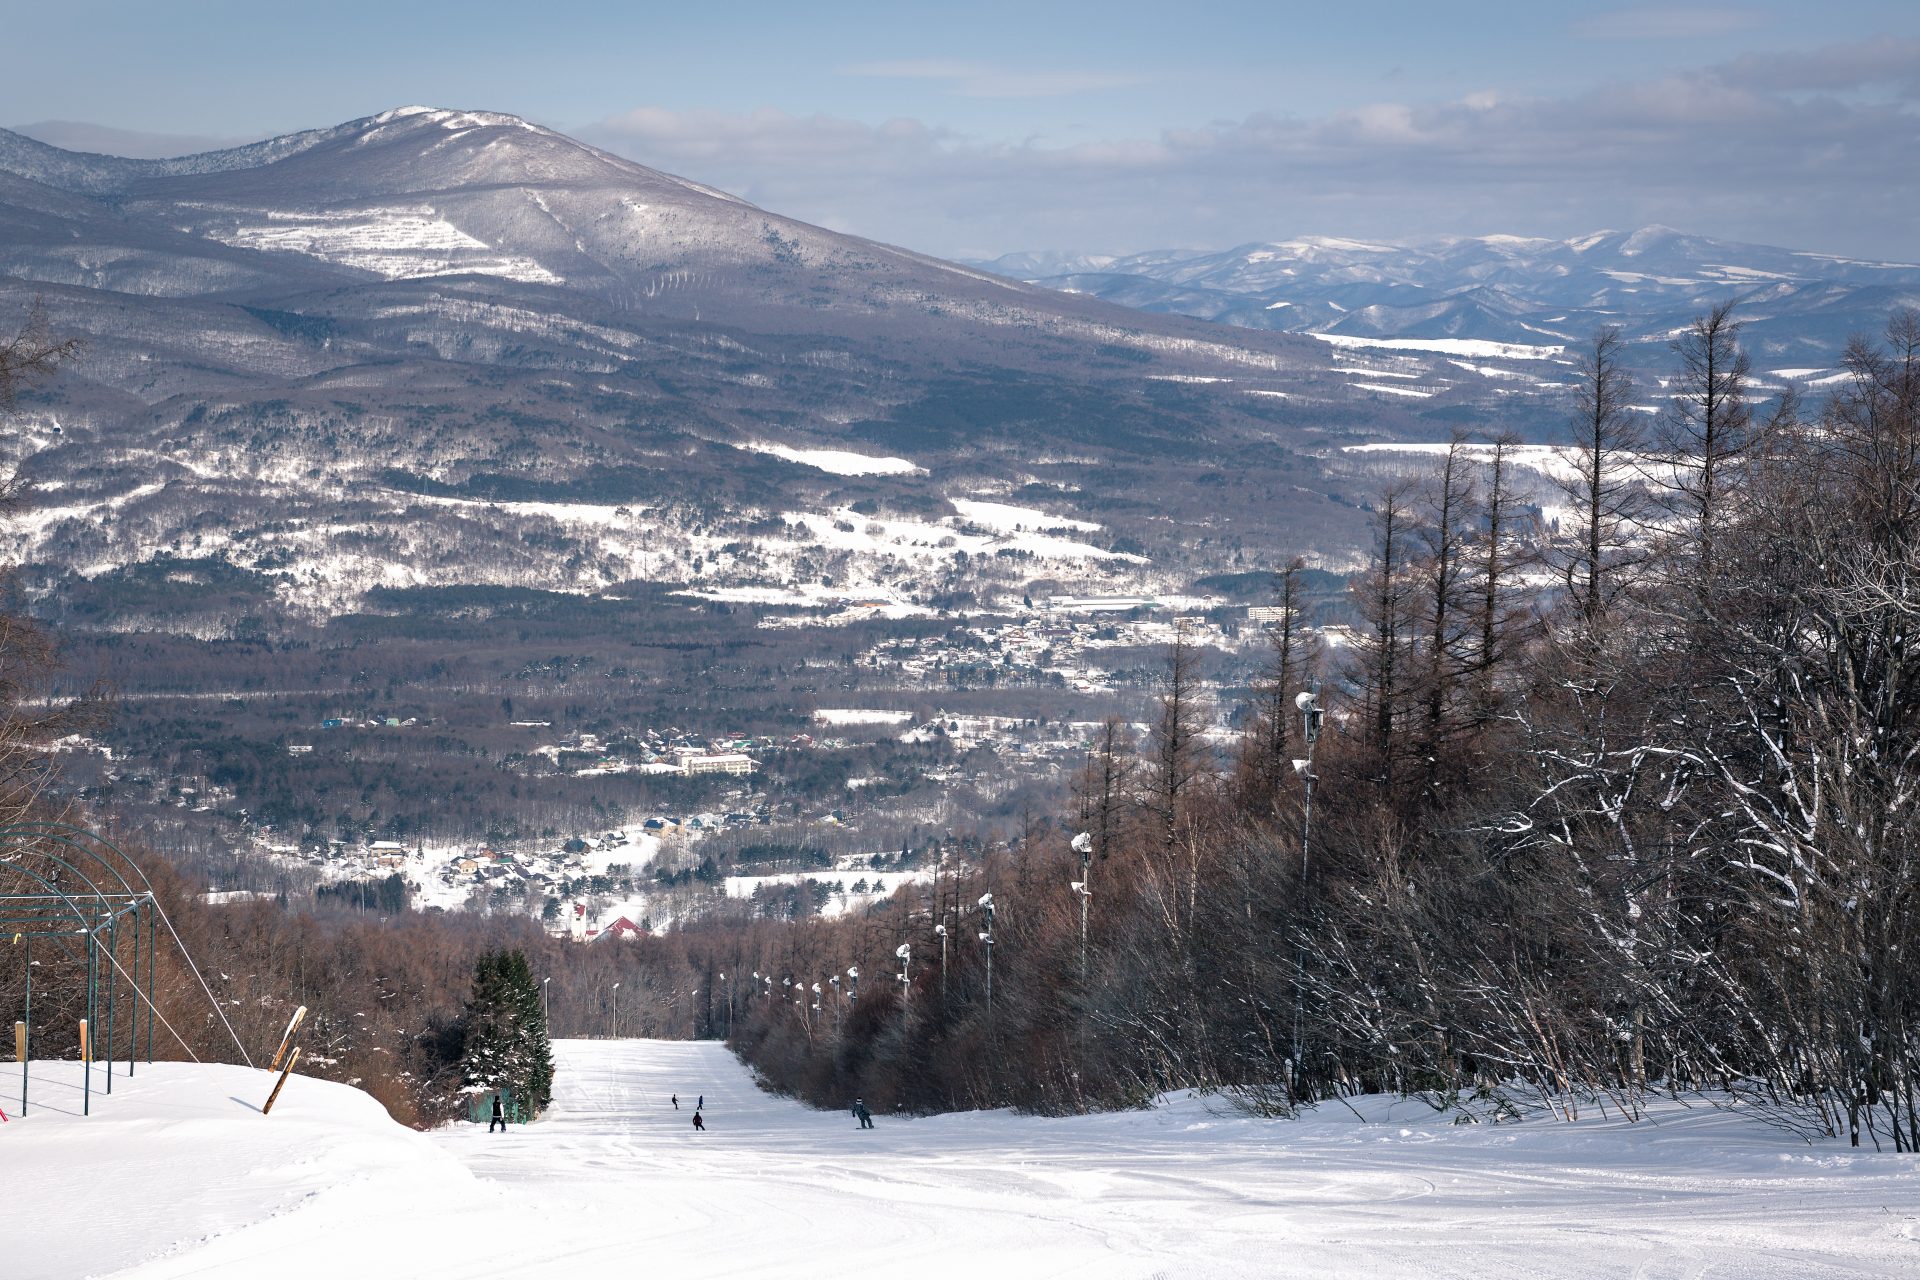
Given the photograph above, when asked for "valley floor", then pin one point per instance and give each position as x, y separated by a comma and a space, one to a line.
178, 1175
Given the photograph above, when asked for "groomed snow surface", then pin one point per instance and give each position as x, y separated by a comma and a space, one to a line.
178, 1175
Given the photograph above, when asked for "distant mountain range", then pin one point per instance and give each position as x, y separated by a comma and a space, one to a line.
436, 348
1799, 308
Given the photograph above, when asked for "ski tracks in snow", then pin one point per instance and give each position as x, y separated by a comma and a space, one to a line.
779, 1189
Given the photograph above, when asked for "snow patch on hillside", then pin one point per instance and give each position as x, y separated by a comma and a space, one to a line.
1392, 391
839, 462
844, 529
1473, 348
398, 242
1004, 518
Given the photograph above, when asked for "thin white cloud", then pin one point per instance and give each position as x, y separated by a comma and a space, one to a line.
1788, 151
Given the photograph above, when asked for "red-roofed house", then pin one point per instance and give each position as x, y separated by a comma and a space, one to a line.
622, 928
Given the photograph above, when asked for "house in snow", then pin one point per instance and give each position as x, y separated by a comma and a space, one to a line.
621, 928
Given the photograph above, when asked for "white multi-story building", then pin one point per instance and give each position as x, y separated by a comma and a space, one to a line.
734, 762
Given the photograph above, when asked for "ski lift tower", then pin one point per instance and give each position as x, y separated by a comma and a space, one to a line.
93, 913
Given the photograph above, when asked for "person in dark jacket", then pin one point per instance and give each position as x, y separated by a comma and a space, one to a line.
698, 1123
702, 1104
676, 1102
499, 1116
860, 1112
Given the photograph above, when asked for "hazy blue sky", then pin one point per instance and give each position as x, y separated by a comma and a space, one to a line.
978, 128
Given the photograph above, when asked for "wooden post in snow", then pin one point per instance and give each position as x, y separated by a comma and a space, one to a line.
284, 1073
299, 1016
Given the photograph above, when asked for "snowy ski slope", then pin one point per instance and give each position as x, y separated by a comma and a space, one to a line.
614, 1177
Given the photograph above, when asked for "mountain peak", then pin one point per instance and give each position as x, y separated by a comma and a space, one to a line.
1647, 237
451, 119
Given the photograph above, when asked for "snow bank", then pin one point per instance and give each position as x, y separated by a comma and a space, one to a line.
179, 1170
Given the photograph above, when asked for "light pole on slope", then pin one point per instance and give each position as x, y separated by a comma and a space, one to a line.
1083, 889
986, 937
1312, 716
940, 932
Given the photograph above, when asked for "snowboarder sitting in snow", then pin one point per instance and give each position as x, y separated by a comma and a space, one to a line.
698, 1123
860, 1113
499, 1116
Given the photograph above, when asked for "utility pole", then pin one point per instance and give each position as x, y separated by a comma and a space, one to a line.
616, 1011
905, 953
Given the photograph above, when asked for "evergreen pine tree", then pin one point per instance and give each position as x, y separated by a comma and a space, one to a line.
507, 1045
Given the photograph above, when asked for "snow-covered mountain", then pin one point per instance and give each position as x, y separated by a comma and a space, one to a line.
1799, 307
435, 347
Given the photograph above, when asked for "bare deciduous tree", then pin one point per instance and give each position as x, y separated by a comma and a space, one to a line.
1606, 491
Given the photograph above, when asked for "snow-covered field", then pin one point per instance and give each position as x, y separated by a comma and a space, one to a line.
179, 1175
861, 715
880, 886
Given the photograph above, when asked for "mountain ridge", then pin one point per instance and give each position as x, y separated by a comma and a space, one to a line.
1798, 305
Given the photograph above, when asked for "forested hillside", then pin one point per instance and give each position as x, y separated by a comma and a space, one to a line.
1624, 810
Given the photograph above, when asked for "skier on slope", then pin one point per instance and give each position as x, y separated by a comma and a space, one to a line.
702, 1104
499, 1115
860, 1112
698, 1123
676, 1102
